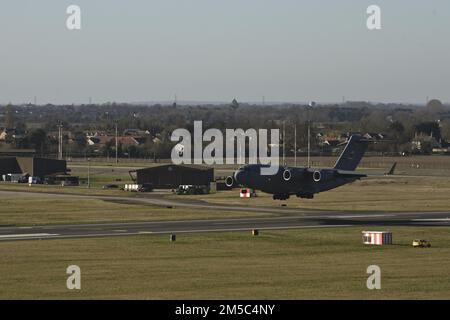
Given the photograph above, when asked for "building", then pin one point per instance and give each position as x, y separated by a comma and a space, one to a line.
7, 151
31, 166
10, 134
420, 142
377, 238
171, 176
123, 140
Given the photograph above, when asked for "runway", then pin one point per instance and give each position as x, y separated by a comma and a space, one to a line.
311, 220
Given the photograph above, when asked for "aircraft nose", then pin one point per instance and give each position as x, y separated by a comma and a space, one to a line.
239, 177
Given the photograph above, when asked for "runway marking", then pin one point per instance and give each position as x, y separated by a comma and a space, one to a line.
120, 230
361, 216
442, 219
27, 235
96, 235
250, 228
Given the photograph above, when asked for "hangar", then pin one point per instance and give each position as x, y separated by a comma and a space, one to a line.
171, 176
35, 167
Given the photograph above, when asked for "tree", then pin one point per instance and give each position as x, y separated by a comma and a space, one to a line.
38, 139
445, 129
9, 117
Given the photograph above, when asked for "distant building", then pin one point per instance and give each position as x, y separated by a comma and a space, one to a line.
375, 136
135, 132
123, 140
34, 167
421, 140
331, 142
171, 176
9, 133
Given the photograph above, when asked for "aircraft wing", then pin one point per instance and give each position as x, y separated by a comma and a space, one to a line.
350, 174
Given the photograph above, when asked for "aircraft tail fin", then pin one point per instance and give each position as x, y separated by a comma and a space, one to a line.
391, 171
352, 154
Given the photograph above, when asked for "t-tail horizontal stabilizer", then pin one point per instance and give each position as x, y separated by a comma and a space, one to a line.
391, 171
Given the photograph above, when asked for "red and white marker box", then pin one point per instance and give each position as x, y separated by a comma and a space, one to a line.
247, 193
377, 238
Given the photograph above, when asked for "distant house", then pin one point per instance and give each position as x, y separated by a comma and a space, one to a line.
444, 149
420, 140
375, 136
123, 140
9, 133
156, 140
331, 142
92, 141
130, 141
3, 135
135, 132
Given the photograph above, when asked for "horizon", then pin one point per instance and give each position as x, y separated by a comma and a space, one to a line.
266, 103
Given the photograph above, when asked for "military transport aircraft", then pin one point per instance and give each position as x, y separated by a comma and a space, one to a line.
301, 181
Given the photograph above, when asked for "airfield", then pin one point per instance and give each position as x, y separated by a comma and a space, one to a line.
280, 219
306, 248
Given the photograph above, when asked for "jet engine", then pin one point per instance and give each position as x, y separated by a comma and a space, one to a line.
287, 175
229, 181
317, 176
323, 175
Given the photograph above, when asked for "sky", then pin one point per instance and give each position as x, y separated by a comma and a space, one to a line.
217, 50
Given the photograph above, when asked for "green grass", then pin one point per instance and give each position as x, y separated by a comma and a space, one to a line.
78, 190
380, 195
295, 264
101, 176
43, 210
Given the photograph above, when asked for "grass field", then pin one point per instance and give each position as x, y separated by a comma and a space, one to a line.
38, 210
296, 264
371, 195
79, 190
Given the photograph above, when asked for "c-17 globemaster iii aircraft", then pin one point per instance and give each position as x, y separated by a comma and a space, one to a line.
304, 182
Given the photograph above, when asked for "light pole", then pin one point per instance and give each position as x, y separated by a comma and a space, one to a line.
295, 144
89, 173
60, 141
117, 160
311, 105
284, 145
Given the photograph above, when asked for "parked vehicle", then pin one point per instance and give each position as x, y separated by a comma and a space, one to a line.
192, 189
420, 243
34, 180
146, 187
110, 186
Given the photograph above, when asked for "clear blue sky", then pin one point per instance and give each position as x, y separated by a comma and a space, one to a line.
211, 50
